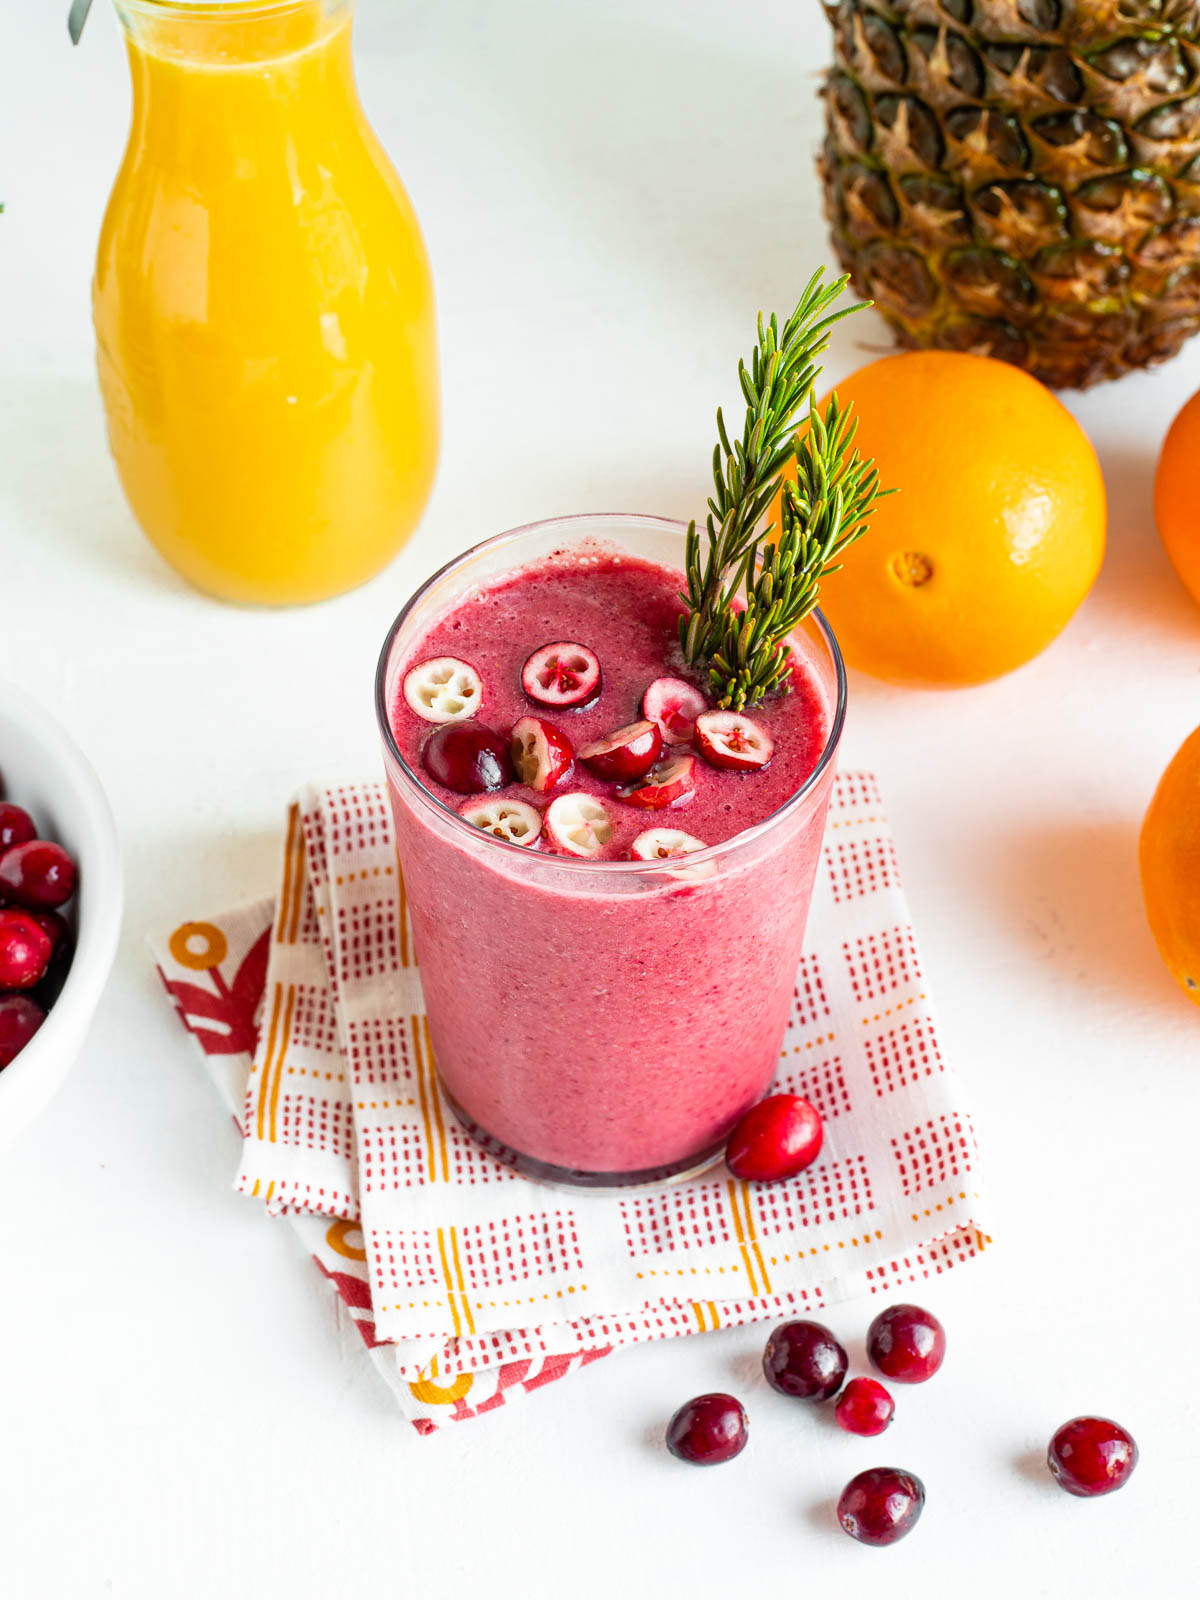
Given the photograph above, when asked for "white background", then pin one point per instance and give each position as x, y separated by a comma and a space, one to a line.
609, 192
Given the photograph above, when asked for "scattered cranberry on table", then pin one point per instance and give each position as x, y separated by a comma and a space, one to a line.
805, 1361
865, 1407
1091, 1455
777, 1138
20, 1019
881, 1505
906, 1344
708, 1430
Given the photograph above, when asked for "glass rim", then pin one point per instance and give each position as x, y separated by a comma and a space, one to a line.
211, 10
470, 831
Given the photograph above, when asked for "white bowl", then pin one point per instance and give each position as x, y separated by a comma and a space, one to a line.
45, 772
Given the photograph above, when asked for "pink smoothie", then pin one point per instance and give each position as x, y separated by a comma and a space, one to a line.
596, 1020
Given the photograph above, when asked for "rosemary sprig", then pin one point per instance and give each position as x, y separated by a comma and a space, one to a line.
742, 607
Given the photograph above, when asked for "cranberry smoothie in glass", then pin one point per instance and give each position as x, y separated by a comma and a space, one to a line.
608, 929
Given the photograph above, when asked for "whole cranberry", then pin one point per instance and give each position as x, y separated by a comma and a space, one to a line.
708, 1430
881, 1505
906, 1344
24, 950
16, 826
38, 875
55, 927
777, 1138
865, 1407
804, 1360
20, 1019
467, 757
1091, 1455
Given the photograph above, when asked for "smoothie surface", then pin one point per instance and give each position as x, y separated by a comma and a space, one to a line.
626, 611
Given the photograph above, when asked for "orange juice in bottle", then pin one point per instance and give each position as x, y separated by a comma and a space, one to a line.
263, 306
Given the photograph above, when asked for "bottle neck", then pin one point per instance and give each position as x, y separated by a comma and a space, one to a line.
219, 84
230, 36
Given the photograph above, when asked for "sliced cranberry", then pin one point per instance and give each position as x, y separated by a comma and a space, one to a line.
541, 754
804, 1360
674, 705
578, 825
563, 675
668, 784
24, 951
777, 1138
468, 757
731, 740
510, 820
20, 1019
39, 875
630, 752
906, 1343
1091, 1455
444, 689
16, 826
664, 844
881, 1505
865, 1407
708, 1430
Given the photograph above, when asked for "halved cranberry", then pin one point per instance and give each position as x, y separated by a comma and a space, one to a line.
674, 705
804, 1360
16, 826
25, 950
664, 844
541, 755
562, 674
510, 820
906, 1343
864, 1407
668, 784
443, 689
708, 1430
38, 875
577, 824
729, 739
630, 752
20, 1019
777, 1138
468, 757
881, 1505
1091, 1455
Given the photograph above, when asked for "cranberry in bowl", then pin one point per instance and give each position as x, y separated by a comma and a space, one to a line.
47, 778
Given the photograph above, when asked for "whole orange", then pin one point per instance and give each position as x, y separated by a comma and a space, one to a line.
1169, 855
996, 532
1177, 495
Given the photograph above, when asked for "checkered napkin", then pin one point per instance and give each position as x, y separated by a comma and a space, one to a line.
472, 1285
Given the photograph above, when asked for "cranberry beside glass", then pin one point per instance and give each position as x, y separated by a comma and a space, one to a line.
708, 1430
906, 1344
1091, 1455
865, 1407
805, 1361
881, 1505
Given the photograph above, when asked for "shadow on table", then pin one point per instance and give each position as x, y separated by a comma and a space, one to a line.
1070, 893
61, 488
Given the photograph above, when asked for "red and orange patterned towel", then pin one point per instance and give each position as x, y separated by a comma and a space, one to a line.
471, 1285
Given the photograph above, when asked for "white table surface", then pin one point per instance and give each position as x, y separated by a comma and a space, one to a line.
609, 193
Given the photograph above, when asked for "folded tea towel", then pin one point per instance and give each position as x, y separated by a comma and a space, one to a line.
472, 1285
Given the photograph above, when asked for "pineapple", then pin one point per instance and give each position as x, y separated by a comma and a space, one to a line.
1021, 178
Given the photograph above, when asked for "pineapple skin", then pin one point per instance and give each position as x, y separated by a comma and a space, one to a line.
1020, 178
